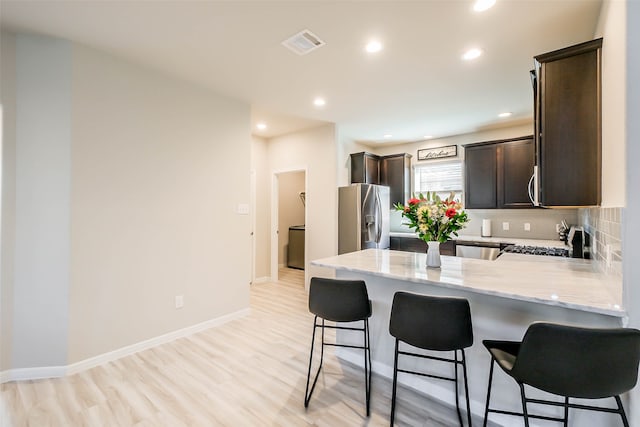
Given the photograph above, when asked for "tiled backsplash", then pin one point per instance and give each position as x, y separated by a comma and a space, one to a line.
542, 222
604, 226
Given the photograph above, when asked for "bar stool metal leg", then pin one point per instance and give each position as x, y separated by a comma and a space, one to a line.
307, 393
367, 364
524, 405
395, 384
486, 408
455, 366
566, 412
621, 411
466, 386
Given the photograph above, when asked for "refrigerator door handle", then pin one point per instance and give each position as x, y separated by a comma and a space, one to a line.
378, 219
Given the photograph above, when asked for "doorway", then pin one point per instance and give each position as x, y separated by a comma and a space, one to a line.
288, 221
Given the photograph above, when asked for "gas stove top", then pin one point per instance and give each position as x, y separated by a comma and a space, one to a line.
536, 250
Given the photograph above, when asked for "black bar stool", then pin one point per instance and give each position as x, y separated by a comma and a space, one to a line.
339, 301
431, 323
568, 361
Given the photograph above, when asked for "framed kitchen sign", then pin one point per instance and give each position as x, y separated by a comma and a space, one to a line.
438, 152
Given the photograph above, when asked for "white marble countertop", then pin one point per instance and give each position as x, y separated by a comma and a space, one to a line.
511, 240
563, 282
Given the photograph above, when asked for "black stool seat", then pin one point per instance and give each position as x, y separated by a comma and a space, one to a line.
339, 301
569, 361
431, 323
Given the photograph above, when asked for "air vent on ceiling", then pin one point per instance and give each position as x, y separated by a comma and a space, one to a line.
303, 42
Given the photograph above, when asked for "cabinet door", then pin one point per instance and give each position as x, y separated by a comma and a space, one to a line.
569, 126
516, 159
395, 172
480, 177
365, 168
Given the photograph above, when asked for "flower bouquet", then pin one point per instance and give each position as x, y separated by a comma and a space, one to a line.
434, 219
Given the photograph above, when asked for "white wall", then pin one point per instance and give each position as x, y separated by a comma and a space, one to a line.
262, 210
315, 151
42, 229
159, 167
7, 236
630, 224
290, 209
612, 27
154, 169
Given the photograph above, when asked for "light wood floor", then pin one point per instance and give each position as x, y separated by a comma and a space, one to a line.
248, 372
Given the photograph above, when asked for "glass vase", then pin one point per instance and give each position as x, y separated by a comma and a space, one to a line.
433, 254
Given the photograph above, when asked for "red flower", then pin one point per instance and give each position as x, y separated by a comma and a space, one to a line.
413, 201
450, 213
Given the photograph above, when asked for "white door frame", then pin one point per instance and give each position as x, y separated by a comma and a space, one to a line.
274, 219
252, 222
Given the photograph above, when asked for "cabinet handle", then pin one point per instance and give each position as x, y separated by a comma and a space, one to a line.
533, 192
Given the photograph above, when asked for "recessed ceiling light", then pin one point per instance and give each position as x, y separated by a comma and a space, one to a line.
482, 5
261, 126
373, 46
388, 135
472, 54
428, 136
319, 102
505, 114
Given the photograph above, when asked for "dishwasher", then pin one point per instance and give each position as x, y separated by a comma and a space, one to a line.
295, 251
480, 250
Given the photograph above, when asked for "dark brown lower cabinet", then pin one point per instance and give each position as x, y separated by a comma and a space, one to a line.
411, 244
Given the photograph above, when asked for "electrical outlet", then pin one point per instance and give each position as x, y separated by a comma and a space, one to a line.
558, 228
527, 226
179, 301
505, 226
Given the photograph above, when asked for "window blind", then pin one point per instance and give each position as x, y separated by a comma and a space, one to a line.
443, 177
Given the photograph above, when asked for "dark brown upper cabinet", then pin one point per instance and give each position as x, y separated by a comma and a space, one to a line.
365, 168
481, 176
393, 171
497, 173
568, 125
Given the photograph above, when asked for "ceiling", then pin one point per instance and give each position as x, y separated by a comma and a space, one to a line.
416, 85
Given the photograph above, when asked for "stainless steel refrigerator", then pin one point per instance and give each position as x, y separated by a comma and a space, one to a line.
363, 217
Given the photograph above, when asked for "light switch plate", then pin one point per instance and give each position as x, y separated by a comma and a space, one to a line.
527, 226
242, 209
505, 226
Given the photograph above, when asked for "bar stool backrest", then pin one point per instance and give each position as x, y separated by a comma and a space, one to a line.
578, 362
339, 300
430, 322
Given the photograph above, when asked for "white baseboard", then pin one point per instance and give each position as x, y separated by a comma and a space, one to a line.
153, 342
264, 279
24, 374
60, 371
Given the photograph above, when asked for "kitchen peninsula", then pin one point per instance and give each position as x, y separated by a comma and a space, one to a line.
506, 295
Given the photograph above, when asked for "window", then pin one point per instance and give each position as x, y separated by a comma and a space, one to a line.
441, 177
